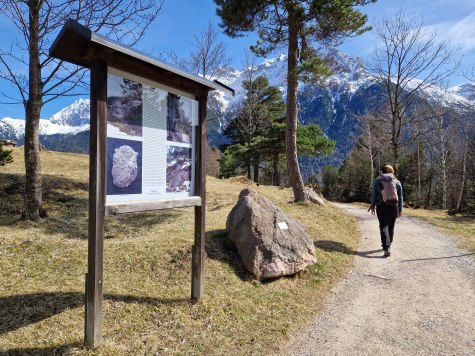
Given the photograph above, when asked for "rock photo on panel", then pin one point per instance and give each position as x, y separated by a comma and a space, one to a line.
178, 169
124, 166
178, 119
124, 106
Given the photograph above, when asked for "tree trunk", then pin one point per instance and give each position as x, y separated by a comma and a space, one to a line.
464, 173
33, 191
371, 156
419, 173
429, 192
275, 166
444, 182
395, 147
292, 115
256, 172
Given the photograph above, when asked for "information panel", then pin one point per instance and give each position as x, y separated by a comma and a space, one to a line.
150, 140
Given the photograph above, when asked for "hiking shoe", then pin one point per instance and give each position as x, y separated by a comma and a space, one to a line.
387, 253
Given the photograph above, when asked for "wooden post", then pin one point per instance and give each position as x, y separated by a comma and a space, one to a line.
97, 195
198, 250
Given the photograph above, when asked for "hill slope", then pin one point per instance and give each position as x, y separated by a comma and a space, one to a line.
147, 272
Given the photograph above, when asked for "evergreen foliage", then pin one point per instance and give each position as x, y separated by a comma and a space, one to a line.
331, 183
256, 127
258, 134
295, 25
311, 141
419, 172
5, 156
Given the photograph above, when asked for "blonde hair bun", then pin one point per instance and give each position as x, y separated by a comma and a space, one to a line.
387, 168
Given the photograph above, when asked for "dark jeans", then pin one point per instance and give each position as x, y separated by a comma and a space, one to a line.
387, 215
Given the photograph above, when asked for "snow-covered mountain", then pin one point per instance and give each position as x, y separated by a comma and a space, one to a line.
333, 104
12, 129
466, 91
349, 76
74, 115
275, 70
349, 92
68, 122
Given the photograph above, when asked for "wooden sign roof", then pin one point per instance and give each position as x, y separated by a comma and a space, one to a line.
78, 44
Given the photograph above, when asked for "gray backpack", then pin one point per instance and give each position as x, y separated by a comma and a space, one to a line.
388, 189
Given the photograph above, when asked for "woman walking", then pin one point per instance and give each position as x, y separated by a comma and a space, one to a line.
386, 203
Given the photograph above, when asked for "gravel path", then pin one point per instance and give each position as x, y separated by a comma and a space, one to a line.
418, 301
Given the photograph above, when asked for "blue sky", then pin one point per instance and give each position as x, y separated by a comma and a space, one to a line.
180, 19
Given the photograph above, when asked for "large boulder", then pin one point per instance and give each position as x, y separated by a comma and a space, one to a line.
270, 243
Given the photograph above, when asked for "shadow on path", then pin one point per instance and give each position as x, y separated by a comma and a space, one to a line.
18, 311
438, 258
333, 246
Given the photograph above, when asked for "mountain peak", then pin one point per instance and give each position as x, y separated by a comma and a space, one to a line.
466, 90
76, 114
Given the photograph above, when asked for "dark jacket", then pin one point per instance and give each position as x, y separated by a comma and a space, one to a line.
376, 194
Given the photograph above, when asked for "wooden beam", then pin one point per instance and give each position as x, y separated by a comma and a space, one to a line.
97, 196
132, 207
156, 74
198, 250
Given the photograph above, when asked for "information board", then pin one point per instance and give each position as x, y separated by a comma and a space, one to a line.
150, 140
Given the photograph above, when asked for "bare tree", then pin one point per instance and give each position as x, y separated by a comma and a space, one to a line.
409, 61
208, 55
37, 21
442, 123
370, 141
206, 58
467, 130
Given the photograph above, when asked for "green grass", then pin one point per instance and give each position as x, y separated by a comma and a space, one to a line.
461, 225
147, 273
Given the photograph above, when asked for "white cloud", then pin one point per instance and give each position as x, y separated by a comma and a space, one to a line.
461, 33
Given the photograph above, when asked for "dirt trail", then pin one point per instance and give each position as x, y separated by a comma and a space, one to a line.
419, 301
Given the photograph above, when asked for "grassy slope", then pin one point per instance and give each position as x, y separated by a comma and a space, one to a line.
147, 273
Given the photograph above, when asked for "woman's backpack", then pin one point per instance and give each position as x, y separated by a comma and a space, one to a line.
388, 189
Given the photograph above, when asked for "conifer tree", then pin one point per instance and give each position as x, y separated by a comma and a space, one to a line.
263, 103
296, 26
258, 131
5, 156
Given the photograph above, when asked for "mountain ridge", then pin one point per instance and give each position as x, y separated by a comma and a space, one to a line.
350, 90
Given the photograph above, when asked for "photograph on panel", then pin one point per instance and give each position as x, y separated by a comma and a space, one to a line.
124, 166
124, 106
178, 169
179, 127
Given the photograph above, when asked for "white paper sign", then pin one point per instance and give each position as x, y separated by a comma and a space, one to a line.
283, 225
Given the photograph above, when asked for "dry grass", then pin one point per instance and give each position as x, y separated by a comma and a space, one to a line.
462, 226
147, 280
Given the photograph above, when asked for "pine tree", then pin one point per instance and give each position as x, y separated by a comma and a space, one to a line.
262, 105
311, 142
296, 25
5, 156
